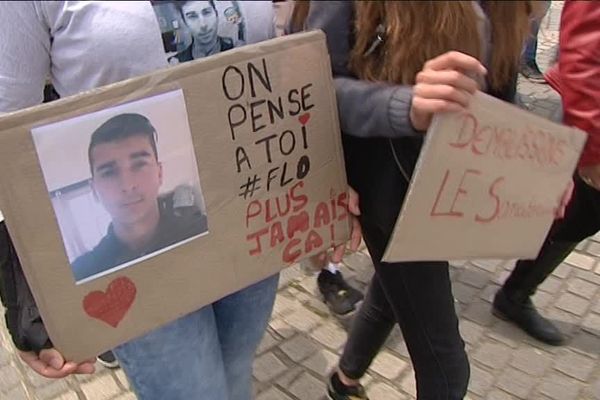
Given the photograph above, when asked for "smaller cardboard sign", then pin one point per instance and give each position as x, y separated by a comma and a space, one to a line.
487, 185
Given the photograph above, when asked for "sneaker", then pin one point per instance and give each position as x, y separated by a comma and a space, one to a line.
525, 316
337, 293
108, 360
532, 72
338, 391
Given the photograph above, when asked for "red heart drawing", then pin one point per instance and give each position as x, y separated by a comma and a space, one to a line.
112, 305
304, 118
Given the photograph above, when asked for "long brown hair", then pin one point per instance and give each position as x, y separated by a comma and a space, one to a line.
416, 31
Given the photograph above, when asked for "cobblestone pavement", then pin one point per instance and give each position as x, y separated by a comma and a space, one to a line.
304, 341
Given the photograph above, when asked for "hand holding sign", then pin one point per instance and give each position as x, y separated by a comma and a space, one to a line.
444, 85
51, 364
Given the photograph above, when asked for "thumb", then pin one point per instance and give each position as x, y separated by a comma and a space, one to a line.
52, 358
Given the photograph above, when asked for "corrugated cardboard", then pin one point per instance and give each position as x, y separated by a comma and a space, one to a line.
134, 300
487, 184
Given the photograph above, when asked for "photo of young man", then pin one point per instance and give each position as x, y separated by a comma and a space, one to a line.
126, 178
202, 20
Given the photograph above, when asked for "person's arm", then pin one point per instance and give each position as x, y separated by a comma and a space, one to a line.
25, 50
24, 67
579, 68
366, 109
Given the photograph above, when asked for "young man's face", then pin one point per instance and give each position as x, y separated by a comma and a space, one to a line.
126, 178
201, 18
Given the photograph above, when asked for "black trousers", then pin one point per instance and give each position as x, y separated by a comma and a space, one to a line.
416, 295
582, 220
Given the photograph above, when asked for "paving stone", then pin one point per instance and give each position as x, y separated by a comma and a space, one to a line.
474, 277
35, 379
71, 395
488, 293
489, 265
463, 293
289, 274
591, 324
397, 345
594, 390
500, 277
470, 331
593, 248
284, 305
298, 348
565, 321
382, 391
267, 367
127, 396
480, 313
290, 376
507, 333
515, 383
589, 276
330, 335
282, 328
562, 271
499, 395
532, 361
493, 355
273, 394
307, 387
574, 365
581, 261
323, 362
551, 285
102, 387
582, 288
5, 356
302, 319
573, 304
481, 380
52, 390
9, 377
560, 387
408, 383
388, 365
17, 393
586, 344
267, 343
122, 379
358, 262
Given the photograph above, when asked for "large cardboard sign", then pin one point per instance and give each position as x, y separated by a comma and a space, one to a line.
136, 203
487, 184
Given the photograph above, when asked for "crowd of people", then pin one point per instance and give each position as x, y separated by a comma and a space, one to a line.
388, 89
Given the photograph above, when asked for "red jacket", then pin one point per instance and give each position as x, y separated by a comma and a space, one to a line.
577, 75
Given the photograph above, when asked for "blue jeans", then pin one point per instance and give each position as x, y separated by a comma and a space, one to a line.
205, 355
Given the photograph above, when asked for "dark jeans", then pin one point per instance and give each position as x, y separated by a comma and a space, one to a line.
418, 296
582, 219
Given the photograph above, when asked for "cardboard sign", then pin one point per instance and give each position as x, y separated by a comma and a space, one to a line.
136, 203
487, 184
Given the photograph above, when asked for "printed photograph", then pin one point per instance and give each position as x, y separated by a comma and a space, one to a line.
123, 183
197, 29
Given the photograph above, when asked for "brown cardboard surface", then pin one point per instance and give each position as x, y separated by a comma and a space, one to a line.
486, 185
248, 238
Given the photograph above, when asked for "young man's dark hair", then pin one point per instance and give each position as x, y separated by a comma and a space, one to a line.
179, 5
121, 127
